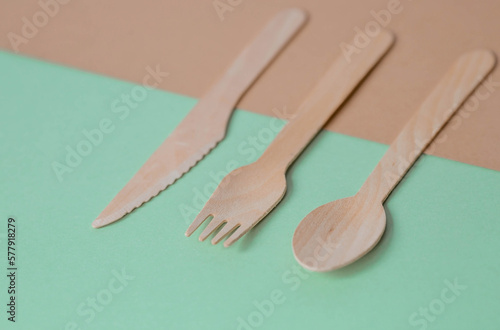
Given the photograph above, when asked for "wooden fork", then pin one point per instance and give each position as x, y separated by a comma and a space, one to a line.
246, 195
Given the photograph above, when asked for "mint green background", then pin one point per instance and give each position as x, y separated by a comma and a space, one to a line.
443, 223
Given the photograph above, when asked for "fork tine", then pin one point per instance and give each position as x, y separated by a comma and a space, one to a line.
213, 225
242, 230
228, 227
200, 218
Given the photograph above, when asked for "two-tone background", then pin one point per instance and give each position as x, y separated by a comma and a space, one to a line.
65, 63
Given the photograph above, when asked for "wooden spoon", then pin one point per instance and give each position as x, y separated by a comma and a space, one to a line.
340, 232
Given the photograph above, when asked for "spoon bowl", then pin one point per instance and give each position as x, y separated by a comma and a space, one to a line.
338, 233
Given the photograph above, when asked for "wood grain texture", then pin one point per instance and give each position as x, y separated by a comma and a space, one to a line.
206, 123
246, 195
340, 232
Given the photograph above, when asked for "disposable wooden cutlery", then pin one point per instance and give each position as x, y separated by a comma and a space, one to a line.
205, 125
340, 232
246, 195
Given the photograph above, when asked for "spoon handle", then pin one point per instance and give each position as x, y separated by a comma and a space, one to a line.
330, 92
449, 94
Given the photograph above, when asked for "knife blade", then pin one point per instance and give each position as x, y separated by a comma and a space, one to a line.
205, 125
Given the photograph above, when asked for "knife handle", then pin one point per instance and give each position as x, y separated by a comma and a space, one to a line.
222, 98
327, 96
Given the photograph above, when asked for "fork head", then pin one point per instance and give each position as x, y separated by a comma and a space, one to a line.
243, 198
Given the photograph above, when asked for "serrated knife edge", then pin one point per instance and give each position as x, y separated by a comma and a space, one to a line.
146, 196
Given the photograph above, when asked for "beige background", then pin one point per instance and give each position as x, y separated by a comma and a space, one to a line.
187, 38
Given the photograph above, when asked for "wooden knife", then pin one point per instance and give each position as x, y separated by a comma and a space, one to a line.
205, 125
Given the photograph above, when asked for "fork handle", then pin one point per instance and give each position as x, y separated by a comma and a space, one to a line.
327, 96
448, 95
